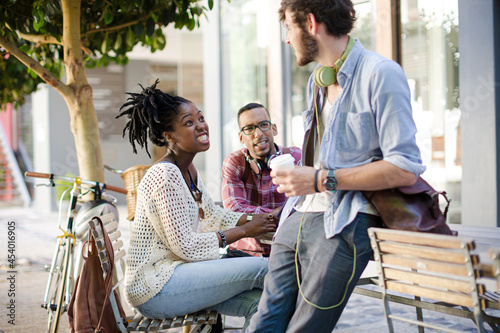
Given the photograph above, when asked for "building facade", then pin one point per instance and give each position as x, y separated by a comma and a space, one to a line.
449, 50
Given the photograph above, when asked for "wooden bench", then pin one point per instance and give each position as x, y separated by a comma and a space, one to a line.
428, 271
495, 273
201, 321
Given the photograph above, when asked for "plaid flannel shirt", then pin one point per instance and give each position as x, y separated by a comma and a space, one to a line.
257, 195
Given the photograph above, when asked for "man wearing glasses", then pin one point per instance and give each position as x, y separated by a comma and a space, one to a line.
247, 186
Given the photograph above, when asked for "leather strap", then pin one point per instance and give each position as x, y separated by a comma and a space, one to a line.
311, 137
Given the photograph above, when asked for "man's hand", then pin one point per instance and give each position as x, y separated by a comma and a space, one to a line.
296, 181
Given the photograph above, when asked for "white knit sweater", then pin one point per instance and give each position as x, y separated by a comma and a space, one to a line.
167, 231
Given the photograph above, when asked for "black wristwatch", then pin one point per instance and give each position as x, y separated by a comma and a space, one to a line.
330, 181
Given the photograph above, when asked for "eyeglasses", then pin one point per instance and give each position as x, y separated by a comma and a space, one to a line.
263, 126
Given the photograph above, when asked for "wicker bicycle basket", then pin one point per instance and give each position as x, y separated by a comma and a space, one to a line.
132, 177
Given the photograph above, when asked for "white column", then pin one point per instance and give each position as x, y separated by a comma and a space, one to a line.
212, 101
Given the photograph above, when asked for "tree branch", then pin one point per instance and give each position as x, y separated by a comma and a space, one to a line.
116, 27
124, 25
35, 66
39, 39
46, 39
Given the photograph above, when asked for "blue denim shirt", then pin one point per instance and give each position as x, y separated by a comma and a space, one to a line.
370, 120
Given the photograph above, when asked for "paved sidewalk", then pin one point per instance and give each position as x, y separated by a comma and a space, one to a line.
35, 234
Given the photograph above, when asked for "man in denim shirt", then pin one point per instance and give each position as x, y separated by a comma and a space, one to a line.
366, 141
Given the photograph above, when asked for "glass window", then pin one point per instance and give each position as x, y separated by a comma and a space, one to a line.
429, 46
244, 52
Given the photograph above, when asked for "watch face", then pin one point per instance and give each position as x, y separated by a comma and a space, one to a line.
331, 184
330, 181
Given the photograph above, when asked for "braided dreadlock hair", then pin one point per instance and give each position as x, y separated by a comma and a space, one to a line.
150, 114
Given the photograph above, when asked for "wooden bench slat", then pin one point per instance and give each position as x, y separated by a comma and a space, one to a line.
425, 264
155, 325
117, 245
189, 319
495, 257
201, 317
132, 325
452, 297
144, 324
425, 252
166, 323
114, 235
107, 218
429, 281
119, 255
103, 255
491, 296
177, 321
434, 240
212, 317
97, 234
111, 227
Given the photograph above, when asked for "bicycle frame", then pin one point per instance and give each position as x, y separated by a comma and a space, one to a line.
68, 233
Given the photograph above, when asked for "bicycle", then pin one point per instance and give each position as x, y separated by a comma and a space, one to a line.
63, 269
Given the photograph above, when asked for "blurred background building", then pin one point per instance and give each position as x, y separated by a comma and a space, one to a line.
449, 50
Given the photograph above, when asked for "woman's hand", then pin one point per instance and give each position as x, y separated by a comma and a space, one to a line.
260, 224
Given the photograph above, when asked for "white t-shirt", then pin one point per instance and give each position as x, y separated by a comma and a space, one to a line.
317, 202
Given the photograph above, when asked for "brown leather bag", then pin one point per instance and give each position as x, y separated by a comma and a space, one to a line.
90, 309
413, 208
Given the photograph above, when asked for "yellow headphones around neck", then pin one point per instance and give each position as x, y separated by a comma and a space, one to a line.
325, 75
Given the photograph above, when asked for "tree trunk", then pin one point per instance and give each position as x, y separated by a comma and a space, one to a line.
79, 98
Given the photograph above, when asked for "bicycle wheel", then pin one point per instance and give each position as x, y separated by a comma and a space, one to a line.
56, 305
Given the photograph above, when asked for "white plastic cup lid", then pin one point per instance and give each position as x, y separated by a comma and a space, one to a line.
285, 161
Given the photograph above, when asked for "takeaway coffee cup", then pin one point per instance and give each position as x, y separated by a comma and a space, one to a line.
285, 161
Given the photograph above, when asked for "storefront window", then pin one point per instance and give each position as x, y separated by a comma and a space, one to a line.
429, 46
244, 50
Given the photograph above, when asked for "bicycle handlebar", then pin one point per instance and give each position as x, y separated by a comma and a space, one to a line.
73, 179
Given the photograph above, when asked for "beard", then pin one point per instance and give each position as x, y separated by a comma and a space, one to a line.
262, 154
309, 48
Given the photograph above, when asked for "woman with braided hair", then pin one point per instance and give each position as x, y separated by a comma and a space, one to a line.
173, 265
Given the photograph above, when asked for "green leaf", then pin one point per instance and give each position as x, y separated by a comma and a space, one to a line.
118, 41
36, 15
130, 38
191, 23
109, 18
139, 29
210, 4
105, 44
162, 41
150, 27
33, 74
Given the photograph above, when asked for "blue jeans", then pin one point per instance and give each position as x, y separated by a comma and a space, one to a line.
325, 266
230, 286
